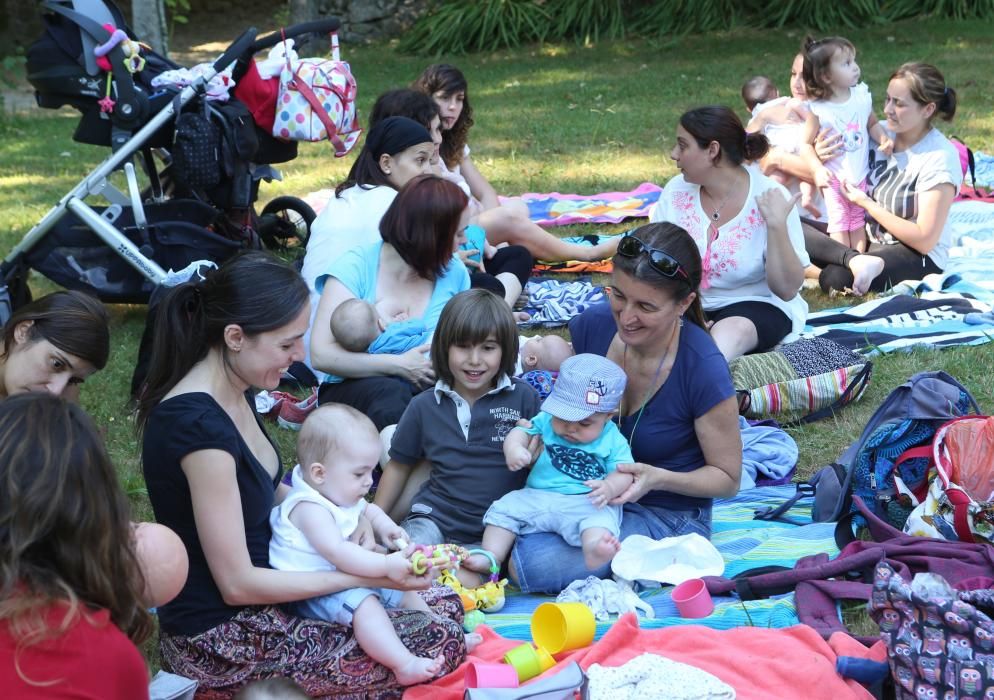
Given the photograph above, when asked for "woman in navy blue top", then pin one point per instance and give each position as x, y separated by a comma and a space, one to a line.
679, 411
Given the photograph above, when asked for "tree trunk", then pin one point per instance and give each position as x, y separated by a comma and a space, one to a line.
301, 11
148, 19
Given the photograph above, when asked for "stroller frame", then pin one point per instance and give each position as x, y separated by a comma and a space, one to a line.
96, 183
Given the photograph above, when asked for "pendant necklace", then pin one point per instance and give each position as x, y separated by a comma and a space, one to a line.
716, 214
655, 378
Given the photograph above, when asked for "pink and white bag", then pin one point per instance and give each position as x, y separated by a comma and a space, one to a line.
316, 101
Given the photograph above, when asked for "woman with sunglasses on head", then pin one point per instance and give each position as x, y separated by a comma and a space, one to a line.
746, 228
678, 412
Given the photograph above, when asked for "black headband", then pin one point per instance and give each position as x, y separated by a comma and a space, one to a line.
395, 134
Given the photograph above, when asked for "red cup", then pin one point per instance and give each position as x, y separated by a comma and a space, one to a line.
692, 599
483, 675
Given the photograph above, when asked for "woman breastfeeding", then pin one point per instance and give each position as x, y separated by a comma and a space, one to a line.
412, 269
213, 476
749, 234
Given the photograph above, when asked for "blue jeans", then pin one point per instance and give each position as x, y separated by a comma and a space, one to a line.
544, 563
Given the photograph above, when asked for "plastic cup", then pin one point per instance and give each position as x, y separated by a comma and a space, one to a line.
692, 599
560, 627
483, 675
545, 660
525, 660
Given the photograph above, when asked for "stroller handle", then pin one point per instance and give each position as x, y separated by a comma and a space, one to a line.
242, 44
321, 26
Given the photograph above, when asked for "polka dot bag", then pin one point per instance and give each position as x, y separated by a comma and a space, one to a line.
316, 102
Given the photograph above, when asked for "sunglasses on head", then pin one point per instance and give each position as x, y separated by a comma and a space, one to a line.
662, 262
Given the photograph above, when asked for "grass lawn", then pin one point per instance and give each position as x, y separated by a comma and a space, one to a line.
548, 118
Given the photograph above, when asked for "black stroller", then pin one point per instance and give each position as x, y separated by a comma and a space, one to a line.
120, 252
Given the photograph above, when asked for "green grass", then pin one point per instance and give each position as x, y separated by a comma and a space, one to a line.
553, 117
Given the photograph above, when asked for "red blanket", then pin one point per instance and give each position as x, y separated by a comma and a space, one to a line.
759, 663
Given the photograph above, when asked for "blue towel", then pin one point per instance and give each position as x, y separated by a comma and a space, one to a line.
766, 451
400, 337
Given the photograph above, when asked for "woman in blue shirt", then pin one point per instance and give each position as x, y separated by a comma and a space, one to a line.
678, 413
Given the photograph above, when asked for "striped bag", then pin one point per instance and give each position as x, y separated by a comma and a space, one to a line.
800, 382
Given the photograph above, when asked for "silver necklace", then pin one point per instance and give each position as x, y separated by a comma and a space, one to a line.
716, 214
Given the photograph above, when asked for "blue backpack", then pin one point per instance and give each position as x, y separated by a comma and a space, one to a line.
891, 457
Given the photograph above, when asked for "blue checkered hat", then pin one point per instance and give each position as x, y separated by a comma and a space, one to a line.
587, 384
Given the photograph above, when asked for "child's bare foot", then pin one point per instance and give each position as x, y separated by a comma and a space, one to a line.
473, 640
601, 551
418, 670
478, 563
468, 577
865, 269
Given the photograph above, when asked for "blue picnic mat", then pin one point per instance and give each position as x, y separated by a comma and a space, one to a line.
744, 544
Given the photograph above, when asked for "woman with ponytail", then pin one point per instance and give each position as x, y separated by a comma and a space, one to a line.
746, 228
213, 476
909, 196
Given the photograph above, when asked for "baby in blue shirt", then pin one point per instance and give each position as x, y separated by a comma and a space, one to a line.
576, 475
360, 326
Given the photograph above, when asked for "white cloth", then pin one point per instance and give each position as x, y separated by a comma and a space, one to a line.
289, 550
738, 255
654, 676
848, 118
604, 597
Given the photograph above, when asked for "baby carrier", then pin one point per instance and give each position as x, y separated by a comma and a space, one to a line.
200, 160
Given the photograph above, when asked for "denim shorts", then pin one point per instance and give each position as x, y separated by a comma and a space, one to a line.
527, 511
545, 563
340, 607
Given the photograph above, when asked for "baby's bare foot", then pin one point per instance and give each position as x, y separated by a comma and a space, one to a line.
473, 640
418, 670
865, 269
601, 551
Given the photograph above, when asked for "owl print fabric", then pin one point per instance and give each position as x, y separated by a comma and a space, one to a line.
940, 644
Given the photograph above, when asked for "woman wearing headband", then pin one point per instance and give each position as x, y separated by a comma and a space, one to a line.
396, 150
678, 411
748, 232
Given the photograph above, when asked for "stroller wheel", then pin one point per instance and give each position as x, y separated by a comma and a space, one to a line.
285, 223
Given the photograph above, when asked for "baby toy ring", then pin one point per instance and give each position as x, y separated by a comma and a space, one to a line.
494, 568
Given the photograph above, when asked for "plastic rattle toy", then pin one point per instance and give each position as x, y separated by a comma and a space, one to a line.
442, 556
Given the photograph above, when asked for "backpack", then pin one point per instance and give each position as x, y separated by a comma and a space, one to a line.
891, 458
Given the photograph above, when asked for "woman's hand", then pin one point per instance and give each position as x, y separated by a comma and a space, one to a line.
827, 144
774, 207
467, 258
643, 481
414, 366
856, 195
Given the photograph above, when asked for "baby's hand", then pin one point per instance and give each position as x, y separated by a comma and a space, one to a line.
886, 146
823, 177
600, 492
398, 566
396, 537
518, 458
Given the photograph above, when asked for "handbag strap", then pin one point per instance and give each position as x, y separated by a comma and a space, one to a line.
855, 388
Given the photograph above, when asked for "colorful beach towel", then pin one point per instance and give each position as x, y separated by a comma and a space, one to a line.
744, 544
556, 209
902, 322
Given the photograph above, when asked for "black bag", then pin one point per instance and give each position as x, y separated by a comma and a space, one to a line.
196, 150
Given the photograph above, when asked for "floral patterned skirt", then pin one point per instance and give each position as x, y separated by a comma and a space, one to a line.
321, 657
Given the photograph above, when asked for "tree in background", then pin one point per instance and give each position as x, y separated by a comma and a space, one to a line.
148, 20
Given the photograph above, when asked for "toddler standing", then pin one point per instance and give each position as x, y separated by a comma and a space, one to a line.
840, 101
